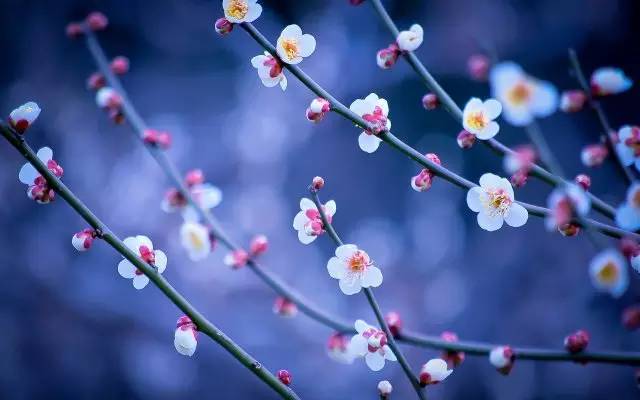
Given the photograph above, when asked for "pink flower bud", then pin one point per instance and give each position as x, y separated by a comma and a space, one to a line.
223, 26
387, 57
107, 97
384, 389
116, 115
318, 108
394, 322
594, 154
434, 371
24, 116
570, 229
259, 245
285, 307
194, 177
97, 21
157, 138
96, 81
237, 258
478, 67
74, 30
284, 376
453, 358
317, 183
519, 178
502, 358
186, 336
423, 181
572, 100
120, 65
433, 157
430, 101
466, 139
576, 342
629, 247
83, 240
631, 317
584, 181
356, 2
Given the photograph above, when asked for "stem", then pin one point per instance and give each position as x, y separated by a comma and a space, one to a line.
415, 382
325, 318
455, 111
412, 153
204, 325
607, 136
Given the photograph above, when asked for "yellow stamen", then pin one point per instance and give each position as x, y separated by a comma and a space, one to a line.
519, 93
290, 47
358, 262
609, 273
196, 241
476, 120
238, 9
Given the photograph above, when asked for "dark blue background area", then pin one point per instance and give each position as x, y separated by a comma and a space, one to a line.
73, 329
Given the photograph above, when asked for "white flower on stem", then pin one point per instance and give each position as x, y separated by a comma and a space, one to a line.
410, 40
269, 70
308, 222
107, 97
628, 146
371, 343
338, 348
22, 117
564, 203
293, 46
502, 358
374, 110
384, 389
494, 202
186, 336
608, 80
142, 247
354, 269
478, 117
628, 214
434, 371
608, 271
196, 240
522, 96
318, 108
237, 258
83, 240
37, 187
238, 11
284, 307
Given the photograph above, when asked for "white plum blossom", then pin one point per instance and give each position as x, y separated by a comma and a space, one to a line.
107, 97
494, 202
206, 196
628, 146
384, 388
502, 358
522, 96
37, 186
608, 271
628, 214
609, 80
83, 240
293, 46
410, 40
237, 11
269, 70
354, 269
142, 247
434, 371
186, 336
338, 348
196, 240
478, 117
371, 343
23, 117
374, 110
308, 222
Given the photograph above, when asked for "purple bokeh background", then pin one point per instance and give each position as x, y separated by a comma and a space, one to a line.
72, 328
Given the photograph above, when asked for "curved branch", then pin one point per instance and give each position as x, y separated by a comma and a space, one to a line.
455, 111
409, 151
203, 324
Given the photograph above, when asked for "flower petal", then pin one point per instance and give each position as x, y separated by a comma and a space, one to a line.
336, 268
372, 277
375, 361
28, 174
490, 181
304, 238
307, 204
291, 32
492, 108
358, 345
161, 260
490, 222
489, 131
45, 154
473, 199
126, 269
307, 45
516, 216
140, 281
368, 143
345, 251
299, 220
350, 286
330, 208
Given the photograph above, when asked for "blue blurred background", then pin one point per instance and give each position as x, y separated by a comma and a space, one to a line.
73, 329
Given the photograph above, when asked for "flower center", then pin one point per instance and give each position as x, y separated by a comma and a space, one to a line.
359, 261
275, 68
476, 120
609, 273
377, 120
238, 9
519, 93
196, 241
498, 201
147, 255
291, 48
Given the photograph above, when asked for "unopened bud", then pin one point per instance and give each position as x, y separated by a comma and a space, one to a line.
570, 229
594, 154
317, 183
466, 139
631, 317
385, 389
74, 30
259, 245
430, 101
394, 321
478, 67
284, 376
120, 65
572, 100
576, 342
223, 26
97, 21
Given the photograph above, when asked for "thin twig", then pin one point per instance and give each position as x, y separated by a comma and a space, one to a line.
415, 382
455, 111
595, 105
203, 324
412, 153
